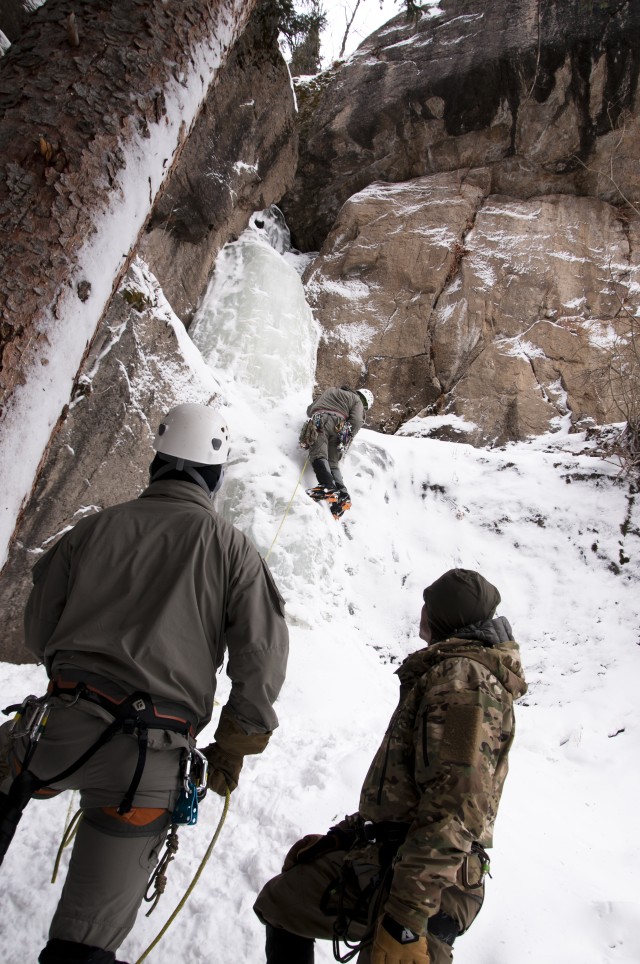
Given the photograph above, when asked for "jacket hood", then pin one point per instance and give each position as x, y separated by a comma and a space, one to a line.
502, 659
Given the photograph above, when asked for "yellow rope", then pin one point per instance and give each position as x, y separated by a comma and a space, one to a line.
286, 511
193, 883
71, 826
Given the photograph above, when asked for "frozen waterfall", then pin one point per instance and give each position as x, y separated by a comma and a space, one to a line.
257, 333
254, 320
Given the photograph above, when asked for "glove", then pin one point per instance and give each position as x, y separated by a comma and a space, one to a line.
226, 754
300, 847
395, 944
314, 845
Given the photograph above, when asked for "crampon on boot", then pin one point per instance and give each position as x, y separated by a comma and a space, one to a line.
322, 493
340, 506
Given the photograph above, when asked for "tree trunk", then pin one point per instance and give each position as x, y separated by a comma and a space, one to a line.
91, 121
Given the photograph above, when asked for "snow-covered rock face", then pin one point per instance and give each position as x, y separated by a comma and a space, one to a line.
240, 157
86, 142
443, 297
141, 363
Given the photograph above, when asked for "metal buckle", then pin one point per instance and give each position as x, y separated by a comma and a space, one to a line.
194, 770
199, 772
28, 721
369, 831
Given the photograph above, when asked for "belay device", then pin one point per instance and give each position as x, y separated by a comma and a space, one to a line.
193, 771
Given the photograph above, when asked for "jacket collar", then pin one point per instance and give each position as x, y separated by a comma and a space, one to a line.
501, 659
177, 491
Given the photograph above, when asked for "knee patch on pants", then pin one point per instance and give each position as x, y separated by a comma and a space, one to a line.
138, 822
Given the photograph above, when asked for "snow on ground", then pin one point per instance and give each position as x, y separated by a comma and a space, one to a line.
551, 525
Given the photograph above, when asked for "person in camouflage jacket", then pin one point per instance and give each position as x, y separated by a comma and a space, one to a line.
402, 878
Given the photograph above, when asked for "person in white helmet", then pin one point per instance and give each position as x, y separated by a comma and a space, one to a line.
337, 414
132, 612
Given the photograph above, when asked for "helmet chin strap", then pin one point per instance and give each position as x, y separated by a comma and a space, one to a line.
197, 478
219, 482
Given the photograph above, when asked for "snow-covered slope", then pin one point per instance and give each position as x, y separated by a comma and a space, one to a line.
547, 522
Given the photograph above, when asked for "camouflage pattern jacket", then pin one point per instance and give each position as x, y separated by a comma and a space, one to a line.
443, 762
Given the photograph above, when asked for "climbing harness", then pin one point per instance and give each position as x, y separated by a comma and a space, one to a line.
350, 903
315, 424
286, 511
132, 713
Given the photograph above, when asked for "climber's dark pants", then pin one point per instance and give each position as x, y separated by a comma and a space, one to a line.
326, 447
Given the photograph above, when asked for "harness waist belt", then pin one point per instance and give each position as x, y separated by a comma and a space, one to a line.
328, 411
385, 831
149, 711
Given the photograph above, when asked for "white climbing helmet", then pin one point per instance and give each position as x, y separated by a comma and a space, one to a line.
193, 434
366, 396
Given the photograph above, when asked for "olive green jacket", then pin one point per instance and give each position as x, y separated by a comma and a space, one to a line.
340, 401
442, 765
150, 593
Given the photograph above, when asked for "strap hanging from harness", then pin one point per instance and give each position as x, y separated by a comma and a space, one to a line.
390, 835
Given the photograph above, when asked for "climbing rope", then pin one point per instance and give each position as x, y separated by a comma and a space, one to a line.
193, 883
70, 828
159, 877
286, 511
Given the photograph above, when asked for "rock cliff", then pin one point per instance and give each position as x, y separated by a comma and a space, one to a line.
470, 179
240, 158
469, 183
141, 361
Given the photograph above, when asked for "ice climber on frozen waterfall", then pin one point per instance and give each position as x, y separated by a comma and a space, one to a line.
334, 419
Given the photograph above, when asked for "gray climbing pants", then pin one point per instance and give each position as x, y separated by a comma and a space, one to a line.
113, 855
